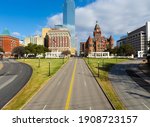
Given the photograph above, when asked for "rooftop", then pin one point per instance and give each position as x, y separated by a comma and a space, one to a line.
5, 32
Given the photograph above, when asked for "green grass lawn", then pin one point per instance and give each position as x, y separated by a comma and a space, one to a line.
39, 78
104, 66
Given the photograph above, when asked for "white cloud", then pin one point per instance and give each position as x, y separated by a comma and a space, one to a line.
55, 20
116, 17
16, 34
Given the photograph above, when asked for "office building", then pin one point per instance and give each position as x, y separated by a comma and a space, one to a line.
69, 12
69, 19
138, 38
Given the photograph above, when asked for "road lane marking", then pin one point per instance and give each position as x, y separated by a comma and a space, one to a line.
8, 81
67, 106
58, 83
84, 83
44, 107
146, 106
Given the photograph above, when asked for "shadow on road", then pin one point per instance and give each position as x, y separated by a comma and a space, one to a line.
141, 82
147, 97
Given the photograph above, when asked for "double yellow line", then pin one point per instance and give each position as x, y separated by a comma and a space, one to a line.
71, 87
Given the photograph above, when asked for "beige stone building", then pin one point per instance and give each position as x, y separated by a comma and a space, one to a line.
57, 40
37, 39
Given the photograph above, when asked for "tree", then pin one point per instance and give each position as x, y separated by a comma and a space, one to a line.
35, 49
66, 52
128, 49
109, 49
18, 51
125, 50
31, 49
1, 50
115, 50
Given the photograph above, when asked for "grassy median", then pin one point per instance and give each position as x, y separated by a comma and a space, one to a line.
38, 79
104, 66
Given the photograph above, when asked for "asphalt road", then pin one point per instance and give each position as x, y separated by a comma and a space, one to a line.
73, 87
13, 76
132, 85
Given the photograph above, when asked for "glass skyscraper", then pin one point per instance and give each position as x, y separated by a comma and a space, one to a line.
69, 19
69, 12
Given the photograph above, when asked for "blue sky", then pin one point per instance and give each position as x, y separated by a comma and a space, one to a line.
116, 17
28, 16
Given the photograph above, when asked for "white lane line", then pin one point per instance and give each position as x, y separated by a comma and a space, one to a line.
44, 107
58, 83
9, 81
146, 106
82, 69
85, 84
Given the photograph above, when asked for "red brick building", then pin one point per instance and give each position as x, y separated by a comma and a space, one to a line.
97, 44
8, 43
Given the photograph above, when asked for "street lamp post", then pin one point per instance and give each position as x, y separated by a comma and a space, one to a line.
103, 62
49, 69
98, 68
116, 59
39, 62
63, 60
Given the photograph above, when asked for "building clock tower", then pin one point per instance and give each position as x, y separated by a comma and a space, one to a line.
97, 31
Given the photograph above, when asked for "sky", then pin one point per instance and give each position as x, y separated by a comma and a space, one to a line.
115, 17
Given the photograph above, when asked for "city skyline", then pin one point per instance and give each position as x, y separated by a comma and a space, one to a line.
116, 18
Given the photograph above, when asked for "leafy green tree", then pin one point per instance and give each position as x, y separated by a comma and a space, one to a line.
115, 50
128, 49
67, 52
125, 50
35, 49
1, 50
31, 49
19, 51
